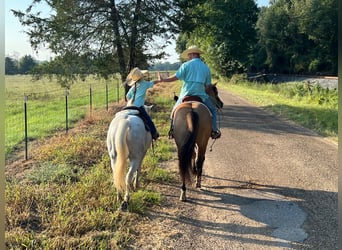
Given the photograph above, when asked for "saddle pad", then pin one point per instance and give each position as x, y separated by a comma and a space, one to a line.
174, 109
127, 112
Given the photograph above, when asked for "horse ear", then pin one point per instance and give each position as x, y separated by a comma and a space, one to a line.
215, 83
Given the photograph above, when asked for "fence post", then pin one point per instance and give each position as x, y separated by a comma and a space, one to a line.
25, 122
90, 100
66, 110
117, 90
107, 94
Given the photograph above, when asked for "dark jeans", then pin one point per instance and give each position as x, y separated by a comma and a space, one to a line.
148, 120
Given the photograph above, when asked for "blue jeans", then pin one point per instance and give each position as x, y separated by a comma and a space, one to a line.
212, 109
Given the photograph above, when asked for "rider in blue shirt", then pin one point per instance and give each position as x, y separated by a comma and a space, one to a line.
195, 75
137, 93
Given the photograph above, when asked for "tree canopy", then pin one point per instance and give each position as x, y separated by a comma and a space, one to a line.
225, 30
115, 35
299, 36
107, 36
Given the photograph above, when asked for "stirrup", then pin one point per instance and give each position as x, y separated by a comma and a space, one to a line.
215, 134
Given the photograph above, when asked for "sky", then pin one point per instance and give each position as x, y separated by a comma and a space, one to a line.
17, 42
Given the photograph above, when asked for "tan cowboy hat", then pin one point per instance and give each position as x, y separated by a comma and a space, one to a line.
135, 75
145, 72
191, 49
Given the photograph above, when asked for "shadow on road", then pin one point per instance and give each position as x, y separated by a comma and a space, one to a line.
226, 199
254, 118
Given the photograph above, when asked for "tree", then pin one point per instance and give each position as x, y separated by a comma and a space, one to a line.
121, 31
299, 36
11, 66
224, 29
26, 65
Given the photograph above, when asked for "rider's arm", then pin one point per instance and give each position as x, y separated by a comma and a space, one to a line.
169, 79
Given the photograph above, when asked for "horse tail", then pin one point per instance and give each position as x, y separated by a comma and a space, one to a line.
187, 149
122, 155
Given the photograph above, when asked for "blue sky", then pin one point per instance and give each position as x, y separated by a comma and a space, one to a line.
17, 43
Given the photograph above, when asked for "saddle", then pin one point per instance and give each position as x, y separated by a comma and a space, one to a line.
137, 113
190, 98
185, 99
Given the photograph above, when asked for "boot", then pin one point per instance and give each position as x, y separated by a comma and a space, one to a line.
215, 134
155, 136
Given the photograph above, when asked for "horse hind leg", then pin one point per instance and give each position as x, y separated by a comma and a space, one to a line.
199, 168
131, 182
183, 193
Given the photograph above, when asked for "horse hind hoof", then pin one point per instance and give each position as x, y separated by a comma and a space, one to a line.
182, 197
124, 206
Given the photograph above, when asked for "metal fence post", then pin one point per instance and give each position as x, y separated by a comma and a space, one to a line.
90, 100
66, 110
25, 122
117, 90
107, 99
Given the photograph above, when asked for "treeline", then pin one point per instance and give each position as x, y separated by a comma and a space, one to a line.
22, 66
297, 37
28, 65
288, 36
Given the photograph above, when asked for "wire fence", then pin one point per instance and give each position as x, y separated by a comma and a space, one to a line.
33, 113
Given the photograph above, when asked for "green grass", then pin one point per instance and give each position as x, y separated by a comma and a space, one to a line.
311, 106
46, 106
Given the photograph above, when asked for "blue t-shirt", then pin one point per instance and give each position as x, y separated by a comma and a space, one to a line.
140, 95
195, 75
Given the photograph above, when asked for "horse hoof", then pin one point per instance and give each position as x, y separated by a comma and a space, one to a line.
124, 206
182, 197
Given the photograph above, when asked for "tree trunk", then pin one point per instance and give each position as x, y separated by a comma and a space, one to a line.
117, 43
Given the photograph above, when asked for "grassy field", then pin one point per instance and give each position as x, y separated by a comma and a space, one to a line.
46, 105
64, 198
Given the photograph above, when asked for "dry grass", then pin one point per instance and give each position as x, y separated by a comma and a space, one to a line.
63, 197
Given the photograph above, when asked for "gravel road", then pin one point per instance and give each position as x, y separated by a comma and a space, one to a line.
268, 184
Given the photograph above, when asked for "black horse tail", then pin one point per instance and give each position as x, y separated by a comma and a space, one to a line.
186, 151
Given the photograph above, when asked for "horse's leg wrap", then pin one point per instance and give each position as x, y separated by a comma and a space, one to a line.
183, 193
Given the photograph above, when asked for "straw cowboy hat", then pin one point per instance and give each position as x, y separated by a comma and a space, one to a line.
191, 49
135, 75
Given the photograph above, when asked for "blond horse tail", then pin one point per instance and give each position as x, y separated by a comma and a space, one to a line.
122, 156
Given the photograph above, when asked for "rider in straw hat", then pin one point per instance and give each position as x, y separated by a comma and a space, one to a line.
137, 93
195, 75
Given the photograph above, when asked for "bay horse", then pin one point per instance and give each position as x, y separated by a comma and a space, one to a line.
127, 140
192, 126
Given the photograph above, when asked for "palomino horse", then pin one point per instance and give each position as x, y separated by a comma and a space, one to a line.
192, 128
127, 139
